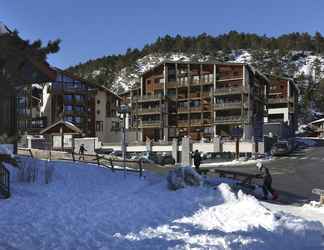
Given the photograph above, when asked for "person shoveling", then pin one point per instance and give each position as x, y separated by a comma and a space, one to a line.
267, 182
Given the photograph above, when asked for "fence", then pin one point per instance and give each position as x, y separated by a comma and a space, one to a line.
100, 160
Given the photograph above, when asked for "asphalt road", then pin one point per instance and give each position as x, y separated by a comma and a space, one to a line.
294, 176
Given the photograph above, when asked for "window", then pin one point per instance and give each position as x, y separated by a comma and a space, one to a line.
99, 126
79, 108
108, 111
98, 112
68, 108
68, 98
115, 125
77, 119
98, 101
68, 118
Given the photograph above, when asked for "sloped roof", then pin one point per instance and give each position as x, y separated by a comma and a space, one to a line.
317, 121
68, 128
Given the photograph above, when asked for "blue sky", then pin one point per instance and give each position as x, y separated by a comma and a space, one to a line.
94, 28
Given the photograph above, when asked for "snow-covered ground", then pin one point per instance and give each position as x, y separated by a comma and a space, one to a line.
235, 162
88, 207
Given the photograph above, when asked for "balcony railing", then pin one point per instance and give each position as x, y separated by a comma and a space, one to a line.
149, 110
183, 109
228, 91
150, 98
228, 105
277, 100
195, 109
228, 119
150, 123
172, 84
229, 77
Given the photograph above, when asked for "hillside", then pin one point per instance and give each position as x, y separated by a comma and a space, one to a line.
296, 55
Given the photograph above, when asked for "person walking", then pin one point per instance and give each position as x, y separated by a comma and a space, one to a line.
81, 152
267, 182
197, 160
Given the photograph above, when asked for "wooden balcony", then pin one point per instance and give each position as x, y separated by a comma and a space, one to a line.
228, 105
277, 100
228, 91
172, 85
150, 124
229, 77
182, 110
228, 119
149, 111
149, 98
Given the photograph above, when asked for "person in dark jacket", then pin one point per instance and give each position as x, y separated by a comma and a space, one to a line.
197, 160
81, 152
267, 182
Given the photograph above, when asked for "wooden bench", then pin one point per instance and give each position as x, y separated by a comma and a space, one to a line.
319, 192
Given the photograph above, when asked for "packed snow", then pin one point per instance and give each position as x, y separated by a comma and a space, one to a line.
89, 207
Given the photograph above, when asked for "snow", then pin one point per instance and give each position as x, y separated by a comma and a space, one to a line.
235, 163
3, 29
89, 207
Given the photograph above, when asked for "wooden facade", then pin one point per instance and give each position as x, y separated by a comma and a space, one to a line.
199, 100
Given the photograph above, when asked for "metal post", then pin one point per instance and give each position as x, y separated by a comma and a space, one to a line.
124, 143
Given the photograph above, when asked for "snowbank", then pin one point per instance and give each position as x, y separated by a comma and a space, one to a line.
88, 207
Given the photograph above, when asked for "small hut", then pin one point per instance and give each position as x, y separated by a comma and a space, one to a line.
61, 134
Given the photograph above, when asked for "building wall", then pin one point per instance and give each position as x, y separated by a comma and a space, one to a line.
177, 100
106, 118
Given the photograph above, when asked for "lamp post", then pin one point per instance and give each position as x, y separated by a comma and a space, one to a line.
124, 110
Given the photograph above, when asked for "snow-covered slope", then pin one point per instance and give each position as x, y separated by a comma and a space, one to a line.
294, 63
88, 207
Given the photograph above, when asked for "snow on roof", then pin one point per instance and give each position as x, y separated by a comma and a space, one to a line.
67, 124
317, 121
3, 29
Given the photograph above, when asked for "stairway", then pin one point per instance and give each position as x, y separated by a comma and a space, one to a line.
4, 182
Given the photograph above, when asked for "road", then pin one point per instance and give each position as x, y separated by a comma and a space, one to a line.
294, 176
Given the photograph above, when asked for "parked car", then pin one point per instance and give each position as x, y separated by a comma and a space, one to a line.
280, 148
161, 159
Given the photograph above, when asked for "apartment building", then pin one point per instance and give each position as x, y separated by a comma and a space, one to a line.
200, 100
90, 107
282, 106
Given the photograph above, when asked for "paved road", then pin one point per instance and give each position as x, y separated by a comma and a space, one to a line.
294, 176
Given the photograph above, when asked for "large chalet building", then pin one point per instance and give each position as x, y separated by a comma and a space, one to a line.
200, 100
90, 107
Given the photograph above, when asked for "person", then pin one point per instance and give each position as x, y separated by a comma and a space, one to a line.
267, 182
197, 160
81, 152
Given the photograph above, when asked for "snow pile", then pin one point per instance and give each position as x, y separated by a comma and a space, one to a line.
88, 207
315, 206
6, 149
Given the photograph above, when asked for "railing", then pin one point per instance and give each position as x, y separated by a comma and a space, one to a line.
149, 97
206, 94
228, 105
172, 84
229, 77
183, 109
150, 123
230, 90
275, 120
4, 181
159, 85
194, 95
277, 100
195, 109
149, 110
226, 119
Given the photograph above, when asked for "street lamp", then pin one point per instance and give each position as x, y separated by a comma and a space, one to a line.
124, 110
